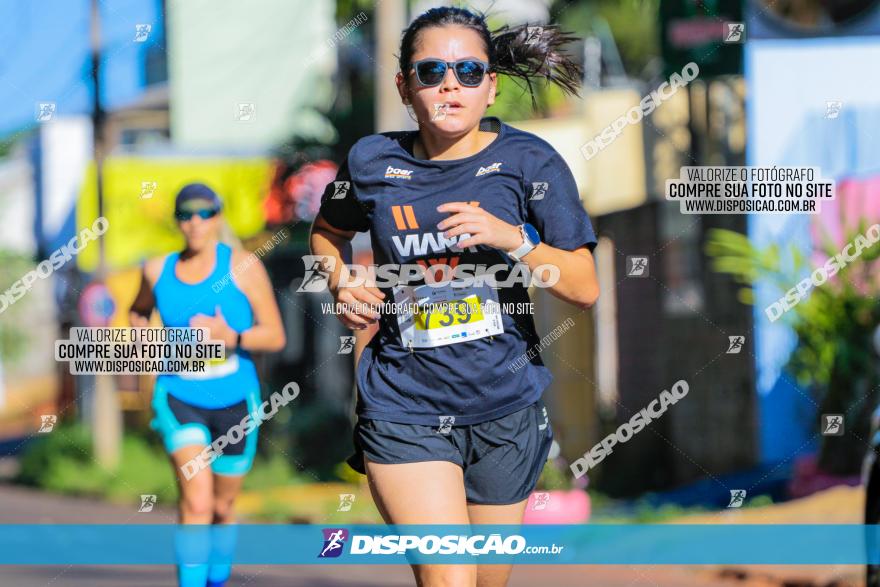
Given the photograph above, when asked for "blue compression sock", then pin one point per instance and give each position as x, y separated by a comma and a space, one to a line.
223, 540
192, 545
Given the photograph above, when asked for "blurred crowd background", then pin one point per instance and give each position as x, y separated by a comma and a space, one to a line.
261, 100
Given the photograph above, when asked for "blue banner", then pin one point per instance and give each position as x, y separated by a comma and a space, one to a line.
158, 544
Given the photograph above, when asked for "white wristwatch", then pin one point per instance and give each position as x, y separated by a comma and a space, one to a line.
531, 239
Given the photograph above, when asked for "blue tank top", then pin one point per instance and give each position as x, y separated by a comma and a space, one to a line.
226, 383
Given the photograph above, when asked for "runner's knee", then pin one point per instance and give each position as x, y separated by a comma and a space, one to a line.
224, 508
197, 504
446, 575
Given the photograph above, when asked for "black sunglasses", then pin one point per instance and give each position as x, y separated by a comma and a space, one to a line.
204, 214
469, 72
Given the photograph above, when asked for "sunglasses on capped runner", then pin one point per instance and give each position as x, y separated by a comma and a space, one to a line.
469, 72
204, 214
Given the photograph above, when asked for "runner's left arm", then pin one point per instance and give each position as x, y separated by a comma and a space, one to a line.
567, 236
267, 333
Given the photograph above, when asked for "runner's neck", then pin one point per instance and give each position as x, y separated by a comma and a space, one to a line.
470, 144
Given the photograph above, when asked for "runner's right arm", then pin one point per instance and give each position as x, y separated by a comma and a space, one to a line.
328, 241
340, 217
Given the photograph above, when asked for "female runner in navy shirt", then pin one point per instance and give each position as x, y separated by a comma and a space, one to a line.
451, 428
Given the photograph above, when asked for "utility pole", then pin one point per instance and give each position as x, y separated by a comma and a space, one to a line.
390, 21
106, 415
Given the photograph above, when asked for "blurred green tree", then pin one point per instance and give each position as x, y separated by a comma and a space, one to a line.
634, 24
834, 358
13, 338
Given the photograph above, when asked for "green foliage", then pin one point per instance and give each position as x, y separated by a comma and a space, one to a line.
348, 9
759, 501
63, 462
609, 511
13, 139
833, 322
13, 340
310, 440
347, 475
648, 514
513, 101
834, 357
554, 476
279, 511
635, 25
272, 471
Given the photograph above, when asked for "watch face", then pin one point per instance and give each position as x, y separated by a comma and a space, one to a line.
532, 233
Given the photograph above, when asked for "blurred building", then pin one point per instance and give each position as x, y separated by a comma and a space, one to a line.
196, 67
249, 76
646, 333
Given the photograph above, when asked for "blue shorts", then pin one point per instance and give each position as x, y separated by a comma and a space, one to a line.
501, 459
181, 424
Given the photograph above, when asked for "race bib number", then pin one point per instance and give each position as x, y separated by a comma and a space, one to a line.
441, 315
215, 368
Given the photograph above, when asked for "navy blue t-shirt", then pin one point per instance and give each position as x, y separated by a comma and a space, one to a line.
394, 195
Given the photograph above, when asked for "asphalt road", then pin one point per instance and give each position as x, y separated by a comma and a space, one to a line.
21, 506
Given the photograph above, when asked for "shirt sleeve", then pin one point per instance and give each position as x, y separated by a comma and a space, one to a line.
555, 208
340, 205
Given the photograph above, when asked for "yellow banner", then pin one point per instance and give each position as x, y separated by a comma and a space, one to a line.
139, 203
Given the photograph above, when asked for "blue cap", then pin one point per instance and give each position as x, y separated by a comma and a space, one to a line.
196, 191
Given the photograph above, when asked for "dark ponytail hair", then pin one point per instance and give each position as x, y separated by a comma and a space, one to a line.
523, 52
